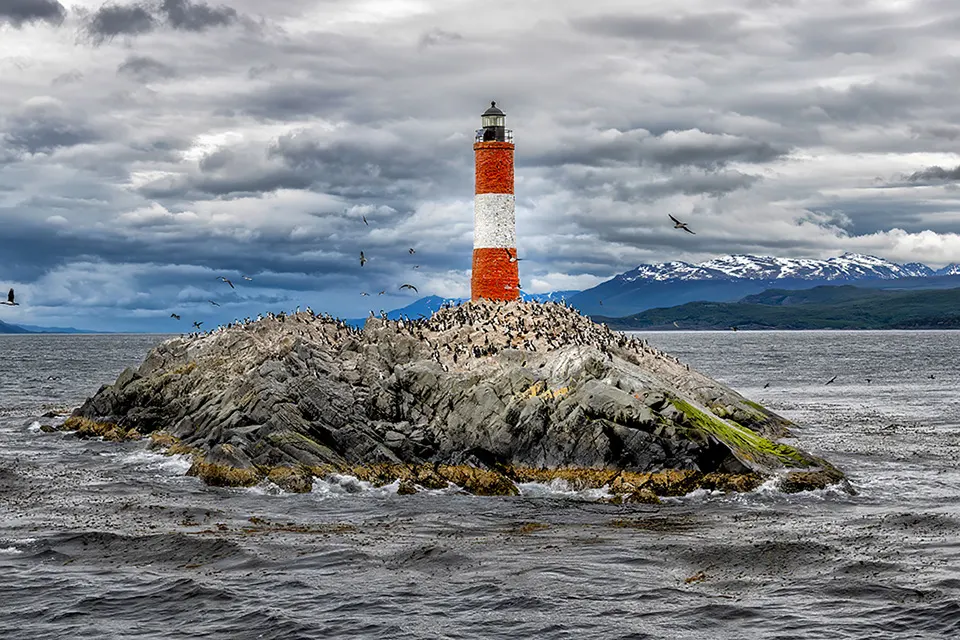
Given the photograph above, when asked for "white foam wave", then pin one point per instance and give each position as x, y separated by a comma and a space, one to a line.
10, 551
34, 426
560, 488
150, 460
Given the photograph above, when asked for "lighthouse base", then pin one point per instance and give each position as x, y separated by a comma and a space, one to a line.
494, 276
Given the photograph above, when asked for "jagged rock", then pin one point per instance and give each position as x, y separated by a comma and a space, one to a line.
483, 395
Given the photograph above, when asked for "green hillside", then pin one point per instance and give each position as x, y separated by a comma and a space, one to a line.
844, 307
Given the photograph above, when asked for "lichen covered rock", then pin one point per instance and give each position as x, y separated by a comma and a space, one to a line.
484, 396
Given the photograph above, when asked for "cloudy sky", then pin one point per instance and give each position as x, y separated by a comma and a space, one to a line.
148, 147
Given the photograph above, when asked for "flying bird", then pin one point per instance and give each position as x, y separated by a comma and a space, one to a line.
512, 258
246, 277
10, 301
363, 259
409, 286
174, 316
675, 324
382, 292
364, 293
680, 225
416, 266
766, 385
831, 380
365, 220
412, 250
216, 304
222, 279
197, 325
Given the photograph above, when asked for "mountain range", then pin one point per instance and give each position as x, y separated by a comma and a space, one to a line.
731, 278
6, 327
824, 307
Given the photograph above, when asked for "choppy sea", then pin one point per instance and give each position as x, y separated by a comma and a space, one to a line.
104, 540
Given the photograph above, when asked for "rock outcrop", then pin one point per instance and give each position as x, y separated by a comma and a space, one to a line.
484, 395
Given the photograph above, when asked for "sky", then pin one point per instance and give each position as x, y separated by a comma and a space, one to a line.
147, 148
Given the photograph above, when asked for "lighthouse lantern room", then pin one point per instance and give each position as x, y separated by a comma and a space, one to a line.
495, 274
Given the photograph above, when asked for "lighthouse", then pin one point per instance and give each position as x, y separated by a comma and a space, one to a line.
495, 275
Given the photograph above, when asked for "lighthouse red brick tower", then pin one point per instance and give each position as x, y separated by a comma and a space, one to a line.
495, 275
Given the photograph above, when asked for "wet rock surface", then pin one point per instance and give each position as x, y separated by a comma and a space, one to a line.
482, 395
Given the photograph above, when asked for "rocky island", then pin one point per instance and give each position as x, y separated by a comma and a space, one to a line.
484, 395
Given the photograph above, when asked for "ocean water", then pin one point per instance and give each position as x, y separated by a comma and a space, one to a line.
104, 540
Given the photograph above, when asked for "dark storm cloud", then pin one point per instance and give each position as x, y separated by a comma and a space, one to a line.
196, 16
671, 149
18, 12
145, 68
45, 127
690, 28
935, 174
113, 20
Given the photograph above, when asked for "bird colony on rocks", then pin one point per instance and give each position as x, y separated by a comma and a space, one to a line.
483, 396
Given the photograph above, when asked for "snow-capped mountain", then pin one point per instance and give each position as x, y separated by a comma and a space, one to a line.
730, 278
848, 267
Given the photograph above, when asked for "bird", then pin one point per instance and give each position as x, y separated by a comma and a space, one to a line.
512, 258
733, 328
364, 293
216, 304
931, 376
363, 259
766, 385
227, 280
197, 325
246, 277
365, 220
411, 250
174, 316
10, 300
409, 286
680, 225
675, 324
416, 266
831, 379
382, 292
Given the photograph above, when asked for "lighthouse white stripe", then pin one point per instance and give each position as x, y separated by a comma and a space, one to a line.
494, 224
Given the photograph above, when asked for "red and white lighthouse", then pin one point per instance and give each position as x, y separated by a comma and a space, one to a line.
495, 275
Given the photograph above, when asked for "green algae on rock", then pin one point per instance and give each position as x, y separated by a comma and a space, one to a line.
483, 396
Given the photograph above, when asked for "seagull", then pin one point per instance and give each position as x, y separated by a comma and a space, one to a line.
766, 385
411, 250
246, 277
382, 292
10, 301
512, 258
416, 266
364, 293
409, 286
365, 220
831, 380
363, 259
931, 376
222, 279
680, 225
197, 325
675, 324
174, 316
216, 304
